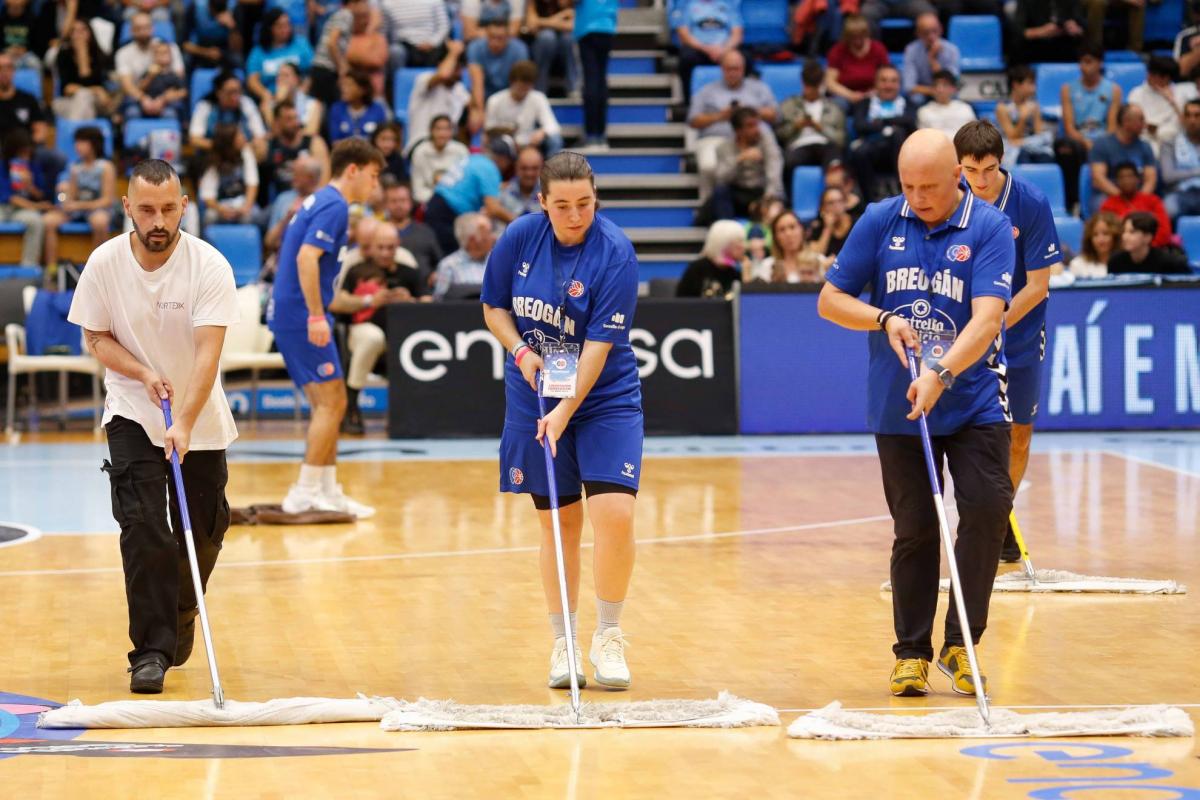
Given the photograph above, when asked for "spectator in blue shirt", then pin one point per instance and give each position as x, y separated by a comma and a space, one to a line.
595, 25
707, 30
20, 198
460, 274
927, 54
1126, 145
358, 113
1089, 110
278, 44
490, 59
214, 39
472, 184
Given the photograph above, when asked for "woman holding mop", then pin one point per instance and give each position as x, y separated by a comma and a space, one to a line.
559, 293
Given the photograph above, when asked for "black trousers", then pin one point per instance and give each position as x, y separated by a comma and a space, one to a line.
440, 217
978, 460
158, 581
593, 56
871, 162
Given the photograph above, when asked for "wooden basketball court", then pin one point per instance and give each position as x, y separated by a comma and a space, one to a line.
758, 573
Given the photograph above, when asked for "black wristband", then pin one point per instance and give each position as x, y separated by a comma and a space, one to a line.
883, 318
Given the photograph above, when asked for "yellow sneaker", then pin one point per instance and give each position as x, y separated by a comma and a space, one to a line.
954, 662
910, 677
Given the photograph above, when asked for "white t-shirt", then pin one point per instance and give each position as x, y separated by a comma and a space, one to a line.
134, 62
425, 103
947, 118
152, 315
524, 117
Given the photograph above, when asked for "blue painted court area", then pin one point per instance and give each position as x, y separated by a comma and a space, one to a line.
59, 488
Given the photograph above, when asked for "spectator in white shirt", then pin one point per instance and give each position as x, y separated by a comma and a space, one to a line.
433, 156
227, 104
133, 60
525, 112
229, 187
438, 93
1159, 102
946, 112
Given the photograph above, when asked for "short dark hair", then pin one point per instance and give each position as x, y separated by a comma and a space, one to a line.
565, 166
223, 77
284, 105
153, 171
266, 39
1160, 65
979, 139
1143, 222
1096, 51
388, 181
363, 81
92, 134
1126, 165
392, 125
355, 151
741, 114
945, 75
812, 74
1195, 101
1019, 73
885, 67
435, 120
1123, 111
523, 71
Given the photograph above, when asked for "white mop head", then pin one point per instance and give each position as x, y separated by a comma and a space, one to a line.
726, 711
205, 714
1056, 580
835, 722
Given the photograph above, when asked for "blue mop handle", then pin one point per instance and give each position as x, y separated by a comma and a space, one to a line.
926, 442
177, 471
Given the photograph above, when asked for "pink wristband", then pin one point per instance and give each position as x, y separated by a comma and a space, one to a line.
317, 318
521, 354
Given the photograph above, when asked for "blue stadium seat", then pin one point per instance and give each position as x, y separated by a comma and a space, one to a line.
162, 30
896, 24
1115, 56
12, 227
897, 60
242, 245
64, 136
807, 185
29, 80
979, 40
138, 129
1050, 78
1048, 178
1070, 233
705, 73
402, 87
1126, 74
784, 79
765, 22
297, 12
74, 228
1189, 232
1085, 190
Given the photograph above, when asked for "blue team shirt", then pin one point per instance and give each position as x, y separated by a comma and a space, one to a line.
465, 184
322, 222
1037, 247
930, 277
343, 123
709, 21
532, 275
595, 16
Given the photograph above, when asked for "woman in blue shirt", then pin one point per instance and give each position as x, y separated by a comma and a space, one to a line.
358, 113
569, 277
277, 45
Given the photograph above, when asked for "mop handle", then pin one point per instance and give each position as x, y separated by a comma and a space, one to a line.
948, 543
193, 563
1025, 559
572, 667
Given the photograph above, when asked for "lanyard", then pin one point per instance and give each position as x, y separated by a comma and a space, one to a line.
563, 284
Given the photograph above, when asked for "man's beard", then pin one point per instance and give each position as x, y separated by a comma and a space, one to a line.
159, 243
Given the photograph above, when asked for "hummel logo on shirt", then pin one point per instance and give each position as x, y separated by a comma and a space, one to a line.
897, 243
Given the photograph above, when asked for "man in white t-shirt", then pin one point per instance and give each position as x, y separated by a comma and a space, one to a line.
525, 112
946, 112
154, 305
134, 59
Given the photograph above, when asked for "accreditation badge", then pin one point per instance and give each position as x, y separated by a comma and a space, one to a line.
560, 364
934, 346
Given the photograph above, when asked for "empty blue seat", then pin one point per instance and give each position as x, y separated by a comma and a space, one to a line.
402, 87
1085, 190
12, 227
1048, 178
784, 79
1189, 232
703, 74
1050, 78
765, 22
1070, 233
242, 245
162, 30
1126, 74
896, 24
80, 227
28, 80
64, 136
138, 129
978, 38
807, 185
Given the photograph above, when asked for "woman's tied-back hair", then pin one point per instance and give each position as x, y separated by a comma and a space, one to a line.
565, 166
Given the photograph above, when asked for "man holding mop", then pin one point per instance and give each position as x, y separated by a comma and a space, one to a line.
154, 305
940, 265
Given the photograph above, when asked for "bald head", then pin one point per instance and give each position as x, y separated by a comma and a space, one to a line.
364, 231
929, 175
733, 69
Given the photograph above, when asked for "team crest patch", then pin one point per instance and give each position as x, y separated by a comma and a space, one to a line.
515, 476
958, 252
575, 289
326, 369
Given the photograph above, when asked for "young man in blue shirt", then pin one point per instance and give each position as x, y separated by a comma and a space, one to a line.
940, 266
299, 316
980, 149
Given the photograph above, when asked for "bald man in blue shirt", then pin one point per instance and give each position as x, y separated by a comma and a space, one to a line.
939, 263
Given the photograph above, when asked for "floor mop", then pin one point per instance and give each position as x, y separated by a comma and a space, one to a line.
834, 722
726, 711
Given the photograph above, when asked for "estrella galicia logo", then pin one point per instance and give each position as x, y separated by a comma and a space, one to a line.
20, 736
958, 252
515, 476
575, 289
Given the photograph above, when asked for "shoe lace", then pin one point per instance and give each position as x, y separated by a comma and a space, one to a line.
614, 648
961, 661
909, 668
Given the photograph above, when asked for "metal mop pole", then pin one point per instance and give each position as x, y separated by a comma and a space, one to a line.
1025, 559
948, 544
197, 584
562, 568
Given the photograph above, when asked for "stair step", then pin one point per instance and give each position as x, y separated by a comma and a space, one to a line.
625, 135
640, 28
639, 160
641, 86
662, 187
658, 265
650, 214
678, 241
624, 110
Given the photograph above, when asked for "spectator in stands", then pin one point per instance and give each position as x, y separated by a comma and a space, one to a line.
490, 60
135, 59
1089, 110
91, 194
758, 222
927, 55
1181, 166
21, 200
278, 44
54, 19
551, 24
875, 11
214, 39
157, 10
713, 107
1133, 198
387, 139
790, 260
1188, 89
17, 25
1158, 101
811, 126
1042, 30
519, 194
416, 237
748, 166
289, 142
331, 57
289, 88
358, 113
524, 112
1187, 50
829, 231
1101, 239
476, 13
20, 109
837, 177
708, 31
720, 263
226, 104
83, 71
229, 187
440, 93
460, 274
881, 124
853, 62
1137, 253
472, 185
164, 94
433, 157
307, 176
945, 112
417, 32
1026, 137
1136, 21
595, 26
1126, 145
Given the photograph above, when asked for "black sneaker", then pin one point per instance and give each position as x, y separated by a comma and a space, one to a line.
185, 636
1009, 552
148, 676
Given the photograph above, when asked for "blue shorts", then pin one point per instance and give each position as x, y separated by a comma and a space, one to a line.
306, 363
604, 446
1024, 387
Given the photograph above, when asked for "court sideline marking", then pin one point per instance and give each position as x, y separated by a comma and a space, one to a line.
1011, 708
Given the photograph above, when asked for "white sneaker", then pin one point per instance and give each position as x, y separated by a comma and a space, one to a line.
305, 498
608, 657
340, 502
560, 673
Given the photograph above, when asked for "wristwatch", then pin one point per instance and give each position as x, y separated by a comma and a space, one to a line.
944, 375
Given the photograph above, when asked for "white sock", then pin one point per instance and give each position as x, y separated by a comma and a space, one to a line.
310, 476
609, 613
559, 625
329, 479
